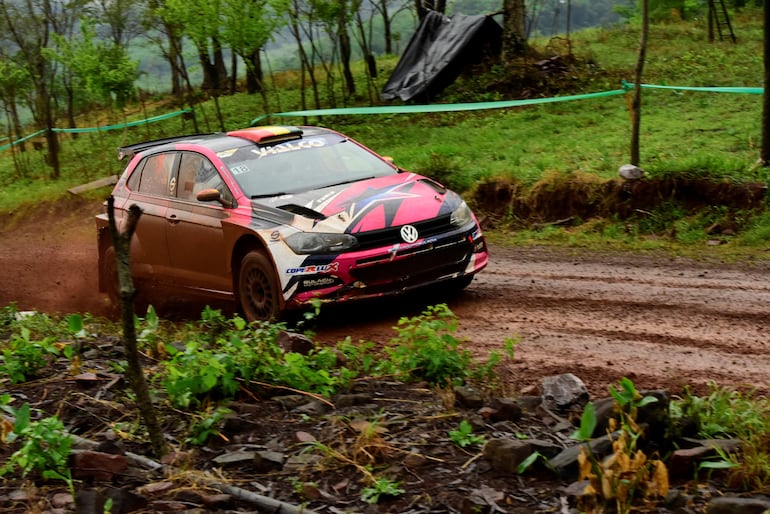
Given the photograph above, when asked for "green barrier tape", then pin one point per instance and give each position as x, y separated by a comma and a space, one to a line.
711, 89
19, 141
98, 129
124, 125
408, 109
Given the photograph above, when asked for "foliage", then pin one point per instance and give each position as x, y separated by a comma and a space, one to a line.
216, 363
724, 412
463, 435
382, 486
22, 357
45, 445
628, 471
207, 426
425, 348
727, 413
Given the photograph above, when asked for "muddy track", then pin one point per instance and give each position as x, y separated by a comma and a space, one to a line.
662, 321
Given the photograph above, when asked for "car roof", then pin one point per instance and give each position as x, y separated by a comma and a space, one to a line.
217, 141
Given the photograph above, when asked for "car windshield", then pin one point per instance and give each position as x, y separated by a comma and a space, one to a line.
301, 165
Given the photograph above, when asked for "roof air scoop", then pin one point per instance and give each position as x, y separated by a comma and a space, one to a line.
302, 211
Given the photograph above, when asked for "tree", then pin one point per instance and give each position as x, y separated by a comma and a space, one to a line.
169, 40
637, 100
514, 30
101, 69
14, 85
764, 158
29, 27
120, 20
381, 6
247, 26
121, 243
200, 21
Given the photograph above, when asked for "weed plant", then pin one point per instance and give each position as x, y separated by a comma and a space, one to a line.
628, 474
727, 413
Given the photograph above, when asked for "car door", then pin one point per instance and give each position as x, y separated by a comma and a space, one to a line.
150, 187
196, 248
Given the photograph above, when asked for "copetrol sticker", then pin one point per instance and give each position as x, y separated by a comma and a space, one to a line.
317, 268
290, 146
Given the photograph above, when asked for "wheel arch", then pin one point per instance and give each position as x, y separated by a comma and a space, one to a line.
245, 244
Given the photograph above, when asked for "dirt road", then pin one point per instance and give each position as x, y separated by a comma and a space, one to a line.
662, 321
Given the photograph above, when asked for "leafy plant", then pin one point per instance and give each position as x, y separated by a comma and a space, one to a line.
463, 435
22, 358
726, 413
426, 349
381, 487
628, 471
45, 445
208, 426
216, 364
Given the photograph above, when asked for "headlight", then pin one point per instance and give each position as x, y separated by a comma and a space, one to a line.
461, 216
311, 242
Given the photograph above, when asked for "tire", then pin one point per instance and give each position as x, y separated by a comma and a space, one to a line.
258, 293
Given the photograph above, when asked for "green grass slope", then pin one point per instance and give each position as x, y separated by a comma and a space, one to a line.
685, 135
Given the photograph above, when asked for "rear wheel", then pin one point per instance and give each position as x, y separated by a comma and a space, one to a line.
258, 288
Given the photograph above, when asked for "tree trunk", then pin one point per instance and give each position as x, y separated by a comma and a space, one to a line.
254, 74
637, 101
134, 371
514, 31
386, 28
345, 51
765, 151
219, 64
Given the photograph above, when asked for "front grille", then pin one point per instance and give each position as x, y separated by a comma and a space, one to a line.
391, 235
416, 264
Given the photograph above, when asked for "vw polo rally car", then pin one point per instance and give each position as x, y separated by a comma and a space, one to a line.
272, 217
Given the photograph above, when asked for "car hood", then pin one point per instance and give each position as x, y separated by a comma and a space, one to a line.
365, 205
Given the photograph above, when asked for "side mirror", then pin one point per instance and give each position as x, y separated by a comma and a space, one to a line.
210, 195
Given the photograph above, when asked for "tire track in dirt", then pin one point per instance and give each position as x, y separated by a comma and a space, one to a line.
669, 323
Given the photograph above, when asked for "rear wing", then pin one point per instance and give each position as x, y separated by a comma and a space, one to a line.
131, 150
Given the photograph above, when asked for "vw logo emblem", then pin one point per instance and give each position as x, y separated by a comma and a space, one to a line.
409, 234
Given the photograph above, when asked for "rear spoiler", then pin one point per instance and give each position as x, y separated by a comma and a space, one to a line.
131, 150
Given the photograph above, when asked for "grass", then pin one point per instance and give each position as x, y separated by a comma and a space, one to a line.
683, 133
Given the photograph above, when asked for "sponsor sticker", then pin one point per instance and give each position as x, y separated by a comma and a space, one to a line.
289, 147
319, 269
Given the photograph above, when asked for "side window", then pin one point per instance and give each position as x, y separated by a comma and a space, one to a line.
196, 173
157, 175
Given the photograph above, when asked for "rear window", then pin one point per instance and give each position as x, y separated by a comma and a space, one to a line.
153, 175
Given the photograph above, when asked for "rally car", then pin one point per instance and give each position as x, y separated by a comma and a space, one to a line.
274, 217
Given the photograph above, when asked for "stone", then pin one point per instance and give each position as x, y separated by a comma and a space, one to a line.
630, 172
506, 409
735, 505
292, 342
98, 466
564, 391
468, 397
505, 455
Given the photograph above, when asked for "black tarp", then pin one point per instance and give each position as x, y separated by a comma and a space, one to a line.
439, 51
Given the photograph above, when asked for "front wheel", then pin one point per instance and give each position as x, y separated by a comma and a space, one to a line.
258, 288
